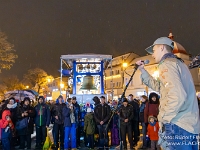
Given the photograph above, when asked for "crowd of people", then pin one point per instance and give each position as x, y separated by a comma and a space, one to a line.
67, 118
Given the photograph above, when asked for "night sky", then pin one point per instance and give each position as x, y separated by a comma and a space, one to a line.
43, 30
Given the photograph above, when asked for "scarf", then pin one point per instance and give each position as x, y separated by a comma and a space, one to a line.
168, 55
11, 106
142, 107
152, 124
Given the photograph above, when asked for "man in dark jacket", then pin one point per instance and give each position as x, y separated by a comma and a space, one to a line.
42, 121
59, 122
77, 113
135, 122
126, 116
102, 114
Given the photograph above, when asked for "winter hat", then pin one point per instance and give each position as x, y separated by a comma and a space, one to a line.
103, 97
96, 100
27, 99
87, 104
124, 99
60, 97
41, 97
74, 98
12, 98
89, 110
151, 116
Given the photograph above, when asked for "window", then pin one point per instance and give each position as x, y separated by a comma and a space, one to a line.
116, 71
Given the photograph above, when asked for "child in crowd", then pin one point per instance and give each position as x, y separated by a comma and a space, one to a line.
89, 127
6, 126
152, 132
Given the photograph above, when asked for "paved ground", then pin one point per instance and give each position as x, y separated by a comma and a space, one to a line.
83, 146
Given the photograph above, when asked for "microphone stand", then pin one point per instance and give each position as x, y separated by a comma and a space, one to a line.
122, 96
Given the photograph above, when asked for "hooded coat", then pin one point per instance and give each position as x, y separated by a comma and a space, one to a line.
152, 107
89, 124
31, 115
152, 129
42, 116
57, 111
4, 123
66, 114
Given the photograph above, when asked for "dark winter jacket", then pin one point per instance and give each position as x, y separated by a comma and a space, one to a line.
77, 112
57, 111
4, 125
150, 110
136, 109
42, 117
102, 113
142, 116
126, 113
151, 107
66, 114
31, 115
89, 124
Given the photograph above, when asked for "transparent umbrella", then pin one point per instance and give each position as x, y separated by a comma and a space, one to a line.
19, 95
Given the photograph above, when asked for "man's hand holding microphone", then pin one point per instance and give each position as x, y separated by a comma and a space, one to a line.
140, 64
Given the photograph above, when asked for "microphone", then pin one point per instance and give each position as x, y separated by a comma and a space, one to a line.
144, 61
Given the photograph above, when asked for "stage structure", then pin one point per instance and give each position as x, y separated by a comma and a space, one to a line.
86, 73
